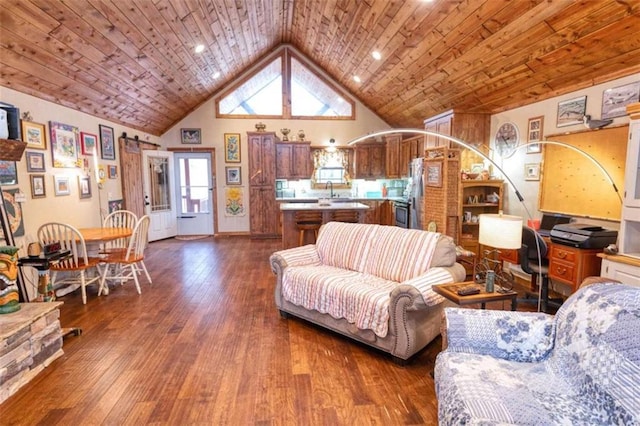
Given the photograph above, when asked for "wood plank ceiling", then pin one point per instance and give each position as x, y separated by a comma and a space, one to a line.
133, 61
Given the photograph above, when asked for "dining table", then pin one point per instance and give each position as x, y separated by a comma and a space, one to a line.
103, 235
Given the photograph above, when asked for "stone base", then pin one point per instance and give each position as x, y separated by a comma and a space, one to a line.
30, 339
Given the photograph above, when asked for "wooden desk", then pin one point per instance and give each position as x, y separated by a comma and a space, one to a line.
449, 291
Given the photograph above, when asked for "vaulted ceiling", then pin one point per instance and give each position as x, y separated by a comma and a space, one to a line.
133, 62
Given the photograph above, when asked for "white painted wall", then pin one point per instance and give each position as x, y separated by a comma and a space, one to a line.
514, 166
213, 129
69, 209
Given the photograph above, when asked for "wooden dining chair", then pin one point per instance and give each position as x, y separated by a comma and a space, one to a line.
119, 219
123, 265
77, 264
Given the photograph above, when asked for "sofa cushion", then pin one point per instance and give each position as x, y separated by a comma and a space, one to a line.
480, 389
344, 245
399, 254
359, 298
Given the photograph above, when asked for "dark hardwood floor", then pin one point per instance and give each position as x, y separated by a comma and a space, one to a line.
205, 345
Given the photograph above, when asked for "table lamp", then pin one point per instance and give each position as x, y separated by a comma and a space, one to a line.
500, 231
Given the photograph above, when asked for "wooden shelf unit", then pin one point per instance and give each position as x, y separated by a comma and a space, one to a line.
473, 196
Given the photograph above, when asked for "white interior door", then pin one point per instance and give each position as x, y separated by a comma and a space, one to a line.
194, 195
159, 190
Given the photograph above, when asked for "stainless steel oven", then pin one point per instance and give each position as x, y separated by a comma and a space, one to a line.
401, 212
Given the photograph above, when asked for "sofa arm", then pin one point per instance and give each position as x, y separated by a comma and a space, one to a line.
423, 283
515, 336
304, 255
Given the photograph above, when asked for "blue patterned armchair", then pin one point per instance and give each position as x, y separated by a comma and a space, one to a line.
579, 367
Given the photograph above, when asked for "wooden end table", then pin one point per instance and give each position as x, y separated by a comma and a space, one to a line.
449, 291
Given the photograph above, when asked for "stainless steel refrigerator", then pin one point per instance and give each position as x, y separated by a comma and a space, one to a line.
416, 192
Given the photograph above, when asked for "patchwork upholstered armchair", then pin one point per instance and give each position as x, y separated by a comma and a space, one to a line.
579, 367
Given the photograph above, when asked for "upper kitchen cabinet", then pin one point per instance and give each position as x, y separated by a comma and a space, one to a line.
472, 128
409, 149
370, 161
392, 164
293, 160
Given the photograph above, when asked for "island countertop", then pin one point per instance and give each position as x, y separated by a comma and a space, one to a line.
322, 206
291, 236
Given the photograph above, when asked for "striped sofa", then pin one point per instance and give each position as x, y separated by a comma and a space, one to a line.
371, 283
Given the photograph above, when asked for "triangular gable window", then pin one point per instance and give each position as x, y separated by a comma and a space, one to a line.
261, 94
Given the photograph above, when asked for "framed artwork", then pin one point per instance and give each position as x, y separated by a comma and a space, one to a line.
14, 212
107, 143
8, 173
64, 144
532, 171
35, 161
34, 134
113, 172
88, 143
571, 112
37, 186
190, 136
84, 185
115, 205
234, 176
61, 185
433, 173
535, 134
615, 100
232, 148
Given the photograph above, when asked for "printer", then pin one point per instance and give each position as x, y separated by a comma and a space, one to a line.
583, 236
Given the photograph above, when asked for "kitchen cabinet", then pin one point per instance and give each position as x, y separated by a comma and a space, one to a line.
622, 268
472, 128
477, 198
293, 160
264, 216
370, 161
387, 216
409, 149
393, 167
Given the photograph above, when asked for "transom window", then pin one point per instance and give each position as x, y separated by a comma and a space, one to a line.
263, 93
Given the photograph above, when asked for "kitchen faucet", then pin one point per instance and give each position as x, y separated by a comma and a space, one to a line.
329, 184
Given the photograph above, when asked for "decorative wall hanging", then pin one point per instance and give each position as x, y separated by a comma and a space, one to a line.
107, 143
535, 134
115, 205
34, 134
190, 136
14, 213
89, 143
433, 173
232, 148
532, 171
64, 144
234, 205
571, 112
113, 172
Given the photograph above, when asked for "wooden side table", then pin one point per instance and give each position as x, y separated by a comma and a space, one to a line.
449, 291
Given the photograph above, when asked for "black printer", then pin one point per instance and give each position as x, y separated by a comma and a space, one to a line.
583, 236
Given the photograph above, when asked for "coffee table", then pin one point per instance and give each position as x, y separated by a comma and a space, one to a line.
449, 291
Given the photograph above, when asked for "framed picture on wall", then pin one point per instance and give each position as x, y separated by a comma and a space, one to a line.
433, 173
234, 176
84, 183
190, 136
35, 161
571, 112
616, 99
232, 148
113, 172
34, 134
88, 143
37, 186
532, 171
64, 144
8, 172
535, 134
107, 143
61, 185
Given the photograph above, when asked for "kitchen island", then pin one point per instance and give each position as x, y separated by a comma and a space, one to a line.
290, 232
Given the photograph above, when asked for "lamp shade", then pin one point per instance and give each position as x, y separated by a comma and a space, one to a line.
500, 231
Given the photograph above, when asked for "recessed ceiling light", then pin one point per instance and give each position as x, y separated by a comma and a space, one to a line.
376, 55
199, 48
216, 74
356, 79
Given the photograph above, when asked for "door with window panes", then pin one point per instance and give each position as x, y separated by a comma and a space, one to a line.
194, 193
